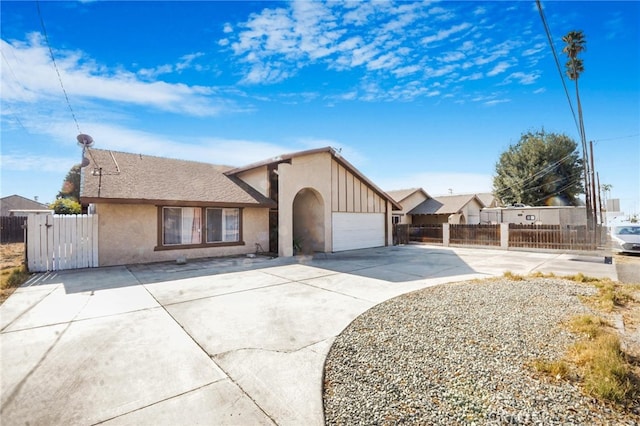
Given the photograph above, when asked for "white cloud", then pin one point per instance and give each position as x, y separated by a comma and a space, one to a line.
537, 48
496, 102
16, 161
452, 57
499, 69
522, 78
380, 40
443, 34
34, 79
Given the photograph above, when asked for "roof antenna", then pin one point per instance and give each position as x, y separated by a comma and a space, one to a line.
85, 141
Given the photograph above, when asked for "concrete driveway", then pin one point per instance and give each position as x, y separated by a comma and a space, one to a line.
229, 341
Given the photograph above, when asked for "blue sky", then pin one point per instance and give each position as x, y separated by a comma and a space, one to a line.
416, 94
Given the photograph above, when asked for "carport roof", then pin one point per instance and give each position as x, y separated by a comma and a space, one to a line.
120, 177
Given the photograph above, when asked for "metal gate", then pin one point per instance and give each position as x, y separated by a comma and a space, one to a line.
58, 242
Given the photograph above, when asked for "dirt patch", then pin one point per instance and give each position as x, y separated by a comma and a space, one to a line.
11, 258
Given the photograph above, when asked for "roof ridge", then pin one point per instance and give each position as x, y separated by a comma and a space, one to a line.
161, 157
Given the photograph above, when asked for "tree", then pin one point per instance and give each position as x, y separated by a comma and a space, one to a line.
575, 43
71, 185
66, 206
541, 169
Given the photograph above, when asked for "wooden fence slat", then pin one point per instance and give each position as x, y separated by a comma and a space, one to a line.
58, 242
94, 241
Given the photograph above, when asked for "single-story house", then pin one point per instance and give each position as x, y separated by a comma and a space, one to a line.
535, 215
408, 199
489, 200
155, 209
452, 209
17, 205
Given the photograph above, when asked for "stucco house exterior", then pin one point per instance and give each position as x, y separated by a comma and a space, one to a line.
489, 200
453, 209
408, 199
157, 209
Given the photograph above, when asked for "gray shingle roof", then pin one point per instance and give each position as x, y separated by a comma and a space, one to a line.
444, 205
401, 194
18, 202
126, 177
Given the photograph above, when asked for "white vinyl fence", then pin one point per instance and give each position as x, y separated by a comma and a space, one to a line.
58, 242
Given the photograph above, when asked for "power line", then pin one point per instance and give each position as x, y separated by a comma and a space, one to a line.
557, 61
617, 138
53, 59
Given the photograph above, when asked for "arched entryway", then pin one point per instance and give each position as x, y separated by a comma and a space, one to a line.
308, 222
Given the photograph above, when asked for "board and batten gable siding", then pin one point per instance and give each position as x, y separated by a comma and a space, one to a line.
349, 194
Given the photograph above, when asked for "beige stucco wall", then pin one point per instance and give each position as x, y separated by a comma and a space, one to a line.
471, 212
129, 233
257, 178
308, 171
409, 204
338, 189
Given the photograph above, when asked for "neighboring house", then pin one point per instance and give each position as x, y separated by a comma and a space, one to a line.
16, 205
489, 200
155, 209
539, 215
408, 199
453, 209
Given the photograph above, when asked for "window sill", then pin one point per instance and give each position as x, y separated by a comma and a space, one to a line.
198, 246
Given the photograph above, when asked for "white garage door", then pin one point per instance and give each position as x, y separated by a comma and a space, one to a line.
357, 230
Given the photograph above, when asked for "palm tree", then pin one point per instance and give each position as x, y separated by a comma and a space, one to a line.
575, 44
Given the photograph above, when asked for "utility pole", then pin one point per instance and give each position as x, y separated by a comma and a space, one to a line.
594, 202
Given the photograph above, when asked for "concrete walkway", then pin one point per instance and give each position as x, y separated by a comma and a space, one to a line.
230, 341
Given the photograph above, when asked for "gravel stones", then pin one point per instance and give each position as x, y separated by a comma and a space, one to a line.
458, 354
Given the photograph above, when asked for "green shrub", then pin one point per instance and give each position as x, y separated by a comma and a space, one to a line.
66, 206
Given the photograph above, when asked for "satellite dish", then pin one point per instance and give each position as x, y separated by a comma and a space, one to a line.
85, 141
85, 161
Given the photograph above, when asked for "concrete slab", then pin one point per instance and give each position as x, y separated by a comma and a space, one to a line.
21, 301
377, 291
21, 354
288, 385
298, 272
91, 279
219, 403
568, 264
169, 292
94, 345
285, 317
101, 368
60, 307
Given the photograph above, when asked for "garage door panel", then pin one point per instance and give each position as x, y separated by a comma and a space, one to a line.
358, 230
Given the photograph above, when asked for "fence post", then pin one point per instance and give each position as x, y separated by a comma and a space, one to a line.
504, 235
445, 234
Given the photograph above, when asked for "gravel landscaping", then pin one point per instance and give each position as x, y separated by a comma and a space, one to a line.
461, 354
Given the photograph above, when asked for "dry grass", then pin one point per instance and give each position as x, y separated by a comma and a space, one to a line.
602, 368
513, 277
12, 271
605, 370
